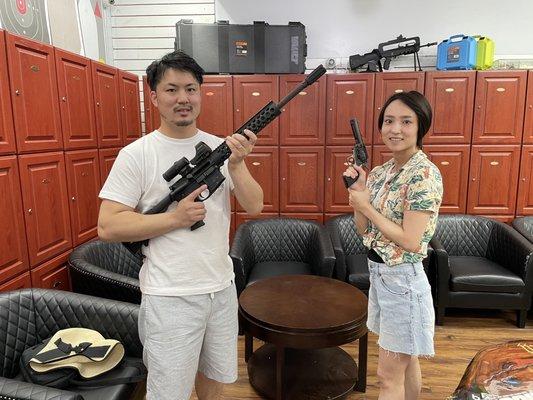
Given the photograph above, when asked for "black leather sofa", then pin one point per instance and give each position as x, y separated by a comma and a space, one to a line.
106, 270
524, 225
29, 316
482, 263
279, 246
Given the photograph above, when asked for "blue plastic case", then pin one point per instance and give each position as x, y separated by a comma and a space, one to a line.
457, 52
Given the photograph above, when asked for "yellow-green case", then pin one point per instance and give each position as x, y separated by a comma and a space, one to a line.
485, 52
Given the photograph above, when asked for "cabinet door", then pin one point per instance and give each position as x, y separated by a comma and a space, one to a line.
32, 74
493, 180
525, 187
301, 179
75, 85
499, 112
315, 217
44, 195
528, 120
83, 178
52, 274
380, 155
20, 282
251, 93
106, 158
452, 161
303, 120
7, 133
389, 83
216, 116
264, 166
451, 95
152, 120
13, 251
335, 193
349, 96
107, 104
242, 217
130, 106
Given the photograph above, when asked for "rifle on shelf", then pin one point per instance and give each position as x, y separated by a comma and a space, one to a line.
204, 168
389, 50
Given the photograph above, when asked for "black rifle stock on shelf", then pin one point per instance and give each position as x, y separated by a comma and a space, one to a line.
204, 168
359, 154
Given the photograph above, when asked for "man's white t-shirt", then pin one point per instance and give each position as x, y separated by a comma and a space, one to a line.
181, 262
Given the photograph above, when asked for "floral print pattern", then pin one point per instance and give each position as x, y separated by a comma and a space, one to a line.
416, 186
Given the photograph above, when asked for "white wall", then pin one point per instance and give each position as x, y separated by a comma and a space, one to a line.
340, 28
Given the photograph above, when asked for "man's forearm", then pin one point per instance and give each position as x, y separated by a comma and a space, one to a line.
130, 226
246, 189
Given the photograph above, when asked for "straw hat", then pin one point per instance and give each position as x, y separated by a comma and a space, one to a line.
83, 349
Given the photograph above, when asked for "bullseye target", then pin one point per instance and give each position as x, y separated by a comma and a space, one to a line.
26, 18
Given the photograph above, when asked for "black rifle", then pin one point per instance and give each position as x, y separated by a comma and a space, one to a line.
359, 154
389, 50
204, 168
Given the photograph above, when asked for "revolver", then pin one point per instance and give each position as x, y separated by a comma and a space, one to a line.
359, 154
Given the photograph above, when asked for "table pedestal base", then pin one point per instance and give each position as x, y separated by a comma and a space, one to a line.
329, 373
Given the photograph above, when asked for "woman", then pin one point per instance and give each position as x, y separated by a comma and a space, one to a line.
396, 211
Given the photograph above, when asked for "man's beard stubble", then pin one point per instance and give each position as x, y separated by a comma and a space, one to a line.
184, 123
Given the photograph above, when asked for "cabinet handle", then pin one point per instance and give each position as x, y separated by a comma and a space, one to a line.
379, 108
63, 98
398, 91
255, 94
302, 93
329, 179
56, 284
473, 179
73, 198
524, 179
17, 92
479, 107
256, 163
445, 163
30, 210
123, 107
282, 179
349, 92
97, 104
331, 109
237, 110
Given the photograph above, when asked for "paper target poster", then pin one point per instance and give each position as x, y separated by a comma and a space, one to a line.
26, 18
92, 28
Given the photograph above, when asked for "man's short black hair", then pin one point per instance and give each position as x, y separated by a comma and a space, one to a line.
177, 60
421, 107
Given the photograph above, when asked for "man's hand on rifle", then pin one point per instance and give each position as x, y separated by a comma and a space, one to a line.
188, 211
240, 146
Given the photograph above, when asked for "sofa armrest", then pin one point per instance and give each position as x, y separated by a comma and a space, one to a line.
340, 271
442, 271
321, 254
17, 390
242, 255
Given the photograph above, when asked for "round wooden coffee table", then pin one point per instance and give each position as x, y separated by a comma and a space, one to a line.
302, 319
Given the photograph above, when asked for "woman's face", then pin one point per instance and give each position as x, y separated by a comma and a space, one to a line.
400, 128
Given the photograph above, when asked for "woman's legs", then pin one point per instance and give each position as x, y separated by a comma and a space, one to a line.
391, 374
413, 379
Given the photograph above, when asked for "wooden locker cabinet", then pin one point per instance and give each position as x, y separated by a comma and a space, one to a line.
13, 251
216, 115
493, 179
7, 132
349, 96
130, 107
528, 119
452, 161
20, 282
335, 193
83, 179
524, 204
380, 155
106, 85
152, 120
52, 274
32, 74
46, 211
250, 94
106, 158
315, 217
301, 179
499, 107
263, 164
389, 83
451, 95
242, 217
303, 120
75, 87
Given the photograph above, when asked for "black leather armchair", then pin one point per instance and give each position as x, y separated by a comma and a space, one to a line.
272, 247
524, 225
351, 263
29, 316
482, 263
106, 270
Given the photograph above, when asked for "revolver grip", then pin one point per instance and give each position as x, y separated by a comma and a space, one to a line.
349, 181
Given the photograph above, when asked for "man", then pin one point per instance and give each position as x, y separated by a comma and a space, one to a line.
188, 313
